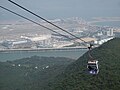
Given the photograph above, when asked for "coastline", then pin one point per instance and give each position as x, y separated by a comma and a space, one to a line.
14, 54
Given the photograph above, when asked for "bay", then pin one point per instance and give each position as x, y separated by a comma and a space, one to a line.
13, 55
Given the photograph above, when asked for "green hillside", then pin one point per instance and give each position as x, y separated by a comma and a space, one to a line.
76, 77
57, 73
34, 73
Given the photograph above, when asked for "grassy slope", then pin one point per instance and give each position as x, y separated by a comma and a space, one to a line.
77, 78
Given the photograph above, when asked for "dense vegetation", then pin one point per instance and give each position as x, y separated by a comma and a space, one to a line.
77, 78
50, 73
33, 73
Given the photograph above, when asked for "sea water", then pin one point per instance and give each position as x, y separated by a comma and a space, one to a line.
13, 55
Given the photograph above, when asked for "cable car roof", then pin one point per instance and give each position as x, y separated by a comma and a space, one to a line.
92, 62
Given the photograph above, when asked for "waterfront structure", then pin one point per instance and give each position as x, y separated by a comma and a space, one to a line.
17, 44
99, 42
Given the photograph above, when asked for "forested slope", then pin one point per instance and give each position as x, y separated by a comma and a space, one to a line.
50, 73
34, 73
77, 78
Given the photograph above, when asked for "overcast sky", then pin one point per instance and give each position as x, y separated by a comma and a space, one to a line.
52, 9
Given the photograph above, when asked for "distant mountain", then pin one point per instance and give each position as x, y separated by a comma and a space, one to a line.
34, 73
76, 77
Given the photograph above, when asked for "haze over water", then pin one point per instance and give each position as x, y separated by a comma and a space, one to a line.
53, 9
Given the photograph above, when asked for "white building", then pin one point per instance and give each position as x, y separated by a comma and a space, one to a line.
103, 40
109, 32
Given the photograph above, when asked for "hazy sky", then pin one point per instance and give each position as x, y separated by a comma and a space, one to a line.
52, 9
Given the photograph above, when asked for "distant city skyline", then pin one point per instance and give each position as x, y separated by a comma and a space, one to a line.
52, 9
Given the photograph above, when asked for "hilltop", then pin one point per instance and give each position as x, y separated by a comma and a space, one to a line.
76, 77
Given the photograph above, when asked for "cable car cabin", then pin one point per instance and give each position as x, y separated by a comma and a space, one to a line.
93, 67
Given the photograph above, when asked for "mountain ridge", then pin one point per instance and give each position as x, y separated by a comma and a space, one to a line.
76, 76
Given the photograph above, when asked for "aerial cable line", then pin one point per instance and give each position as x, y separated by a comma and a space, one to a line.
50, 30
90, 47
46, 20
33, 21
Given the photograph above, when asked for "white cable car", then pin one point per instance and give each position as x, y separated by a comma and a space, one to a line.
93, 67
